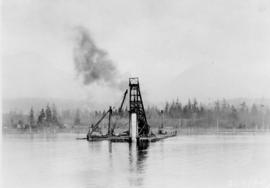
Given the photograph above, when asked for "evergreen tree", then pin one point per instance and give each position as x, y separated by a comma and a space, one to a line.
48, 114
186, 111
201, 111
224, 106
178, 109
217, 106
172, 109
254, 114
41, 116
77, 120
189, 106
234, 116
54, 114
254, 109
167, 108
31, 118
194, 106
244, 107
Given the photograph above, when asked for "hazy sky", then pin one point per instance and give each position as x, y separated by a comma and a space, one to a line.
178, 48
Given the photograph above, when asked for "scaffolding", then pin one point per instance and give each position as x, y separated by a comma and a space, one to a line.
136, 106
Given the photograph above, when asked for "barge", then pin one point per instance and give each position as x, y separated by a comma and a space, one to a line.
138, 129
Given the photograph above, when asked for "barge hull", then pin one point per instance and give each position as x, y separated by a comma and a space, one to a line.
154, 138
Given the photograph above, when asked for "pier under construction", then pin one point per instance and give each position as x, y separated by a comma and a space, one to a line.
138, 129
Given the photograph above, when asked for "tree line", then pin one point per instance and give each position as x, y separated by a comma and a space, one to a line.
191, 114
220, 113
46, 117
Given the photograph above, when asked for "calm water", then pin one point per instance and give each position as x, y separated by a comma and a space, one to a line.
183, 161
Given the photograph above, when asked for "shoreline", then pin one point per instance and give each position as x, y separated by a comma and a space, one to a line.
180, 131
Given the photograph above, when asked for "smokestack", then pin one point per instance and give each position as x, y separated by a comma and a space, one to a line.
92, 63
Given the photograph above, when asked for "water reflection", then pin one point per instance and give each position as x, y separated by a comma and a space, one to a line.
95, 146
186, 161
110, 148
138, 153
142, 150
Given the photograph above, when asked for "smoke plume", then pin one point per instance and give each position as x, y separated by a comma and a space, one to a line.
92, 63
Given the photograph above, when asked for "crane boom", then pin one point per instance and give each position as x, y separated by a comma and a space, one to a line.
96, 125
110, 127
122, 103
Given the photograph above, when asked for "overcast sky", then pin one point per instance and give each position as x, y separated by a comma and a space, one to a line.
179, 48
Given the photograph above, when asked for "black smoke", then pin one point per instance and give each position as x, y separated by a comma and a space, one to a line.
92, 63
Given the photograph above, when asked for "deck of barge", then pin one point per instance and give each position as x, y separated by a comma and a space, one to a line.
153, 138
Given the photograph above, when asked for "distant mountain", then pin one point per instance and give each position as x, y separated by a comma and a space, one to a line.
206, 82
24, 104
211, 81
